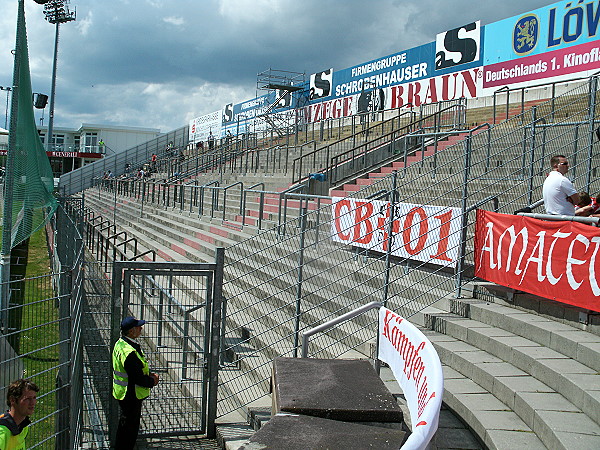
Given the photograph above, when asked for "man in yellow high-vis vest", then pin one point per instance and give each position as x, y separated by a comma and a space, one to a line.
132, 381
14, 424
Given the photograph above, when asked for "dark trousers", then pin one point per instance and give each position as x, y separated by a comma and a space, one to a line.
129, 423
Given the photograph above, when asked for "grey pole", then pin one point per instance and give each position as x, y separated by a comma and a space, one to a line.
52, 92
390, 237
56, 12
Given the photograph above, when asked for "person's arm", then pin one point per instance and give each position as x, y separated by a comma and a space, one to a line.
574, 198
569, 190
584, 211
134, 368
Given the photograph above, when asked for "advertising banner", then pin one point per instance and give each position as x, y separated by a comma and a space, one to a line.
458, 47
558, 39
566, 61
417, 368
200, 127
460, 84
421, 232
409, 65
555, 260
248, 109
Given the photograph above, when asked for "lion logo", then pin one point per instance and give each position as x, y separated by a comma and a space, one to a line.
525, 34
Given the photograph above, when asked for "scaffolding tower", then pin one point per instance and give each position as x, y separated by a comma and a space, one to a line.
283, 83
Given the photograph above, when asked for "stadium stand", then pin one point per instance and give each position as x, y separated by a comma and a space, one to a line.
519, 370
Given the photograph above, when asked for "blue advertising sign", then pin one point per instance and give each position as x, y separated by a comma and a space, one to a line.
553, 27
410, 65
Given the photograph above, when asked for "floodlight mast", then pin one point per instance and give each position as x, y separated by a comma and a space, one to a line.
56, 12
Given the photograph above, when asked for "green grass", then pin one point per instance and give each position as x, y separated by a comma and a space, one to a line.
39, 338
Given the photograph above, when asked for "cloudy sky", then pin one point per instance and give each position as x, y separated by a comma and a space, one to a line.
160, 63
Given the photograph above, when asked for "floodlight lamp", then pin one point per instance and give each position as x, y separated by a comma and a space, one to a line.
57, 11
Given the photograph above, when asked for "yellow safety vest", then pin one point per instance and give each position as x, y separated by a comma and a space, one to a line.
120, 378
8, 441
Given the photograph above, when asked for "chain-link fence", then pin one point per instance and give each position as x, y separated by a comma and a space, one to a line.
41, 341
280, 283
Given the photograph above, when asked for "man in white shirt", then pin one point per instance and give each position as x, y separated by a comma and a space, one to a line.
560, 197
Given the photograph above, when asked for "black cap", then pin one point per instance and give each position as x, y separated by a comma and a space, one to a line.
130, 322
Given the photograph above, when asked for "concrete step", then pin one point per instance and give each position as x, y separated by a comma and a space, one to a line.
535, 365
493, 423
523, 396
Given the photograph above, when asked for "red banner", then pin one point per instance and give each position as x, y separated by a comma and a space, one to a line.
555, 260
564, 61
56, 154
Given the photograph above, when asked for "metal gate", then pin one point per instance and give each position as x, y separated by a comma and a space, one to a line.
181, 304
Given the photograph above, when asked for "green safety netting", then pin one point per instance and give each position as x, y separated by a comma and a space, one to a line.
31, 195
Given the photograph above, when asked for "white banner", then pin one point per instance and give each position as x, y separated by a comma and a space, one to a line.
200, 127
418, 370
422, 232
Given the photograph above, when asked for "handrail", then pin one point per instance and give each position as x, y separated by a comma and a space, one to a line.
595, 221
125, 242
144, 254
463, 239
344, 317
478, 127
391, 136
282, 197
241, 184
114, 236
410, 125
298, 160
507, 90
261, 205
202, 187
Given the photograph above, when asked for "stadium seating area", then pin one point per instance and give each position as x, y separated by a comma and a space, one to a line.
519, 370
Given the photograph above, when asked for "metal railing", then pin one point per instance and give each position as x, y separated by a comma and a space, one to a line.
327, 325
80, 179
293, 275
42, 339
543, 92
327, 159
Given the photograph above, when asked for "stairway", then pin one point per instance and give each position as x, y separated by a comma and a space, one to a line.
520, 371
519, 377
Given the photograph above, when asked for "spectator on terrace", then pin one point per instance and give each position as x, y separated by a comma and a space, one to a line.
228, 138
560, 197
154, 158
170, 148
211, 140
587, 206
200, 146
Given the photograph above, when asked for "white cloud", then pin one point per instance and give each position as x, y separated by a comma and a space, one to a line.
84, 24
251, 11
178, 21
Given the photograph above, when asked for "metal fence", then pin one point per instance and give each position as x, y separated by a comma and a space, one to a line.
276, 284
42, 339
279, 284
178, 302
292, 276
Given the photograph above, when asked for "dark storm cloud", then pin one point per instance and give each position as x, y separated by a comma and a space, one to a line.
159, 63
